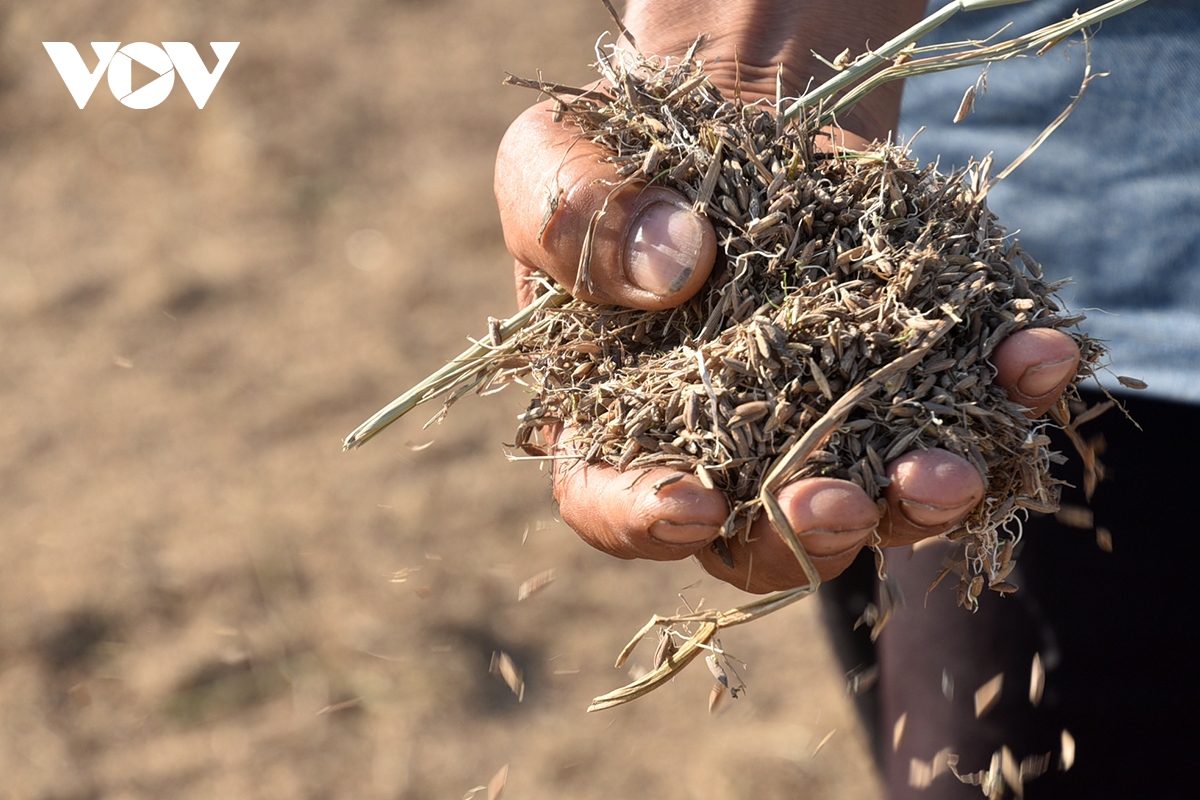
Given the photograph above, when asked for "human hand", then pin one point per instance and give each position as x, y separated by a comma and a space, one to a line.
651, 252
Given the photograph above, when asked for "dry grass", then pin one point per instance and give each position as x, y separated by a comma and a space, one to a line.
850, 319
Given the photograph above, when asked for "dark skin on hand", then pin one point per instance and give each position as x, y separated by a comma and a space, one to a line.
651, 252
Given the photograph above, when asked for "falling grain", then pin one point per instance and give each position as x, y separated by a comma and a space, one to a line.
898, 731
1067, 758
345, 705
503, 667
940, 764
1010, 770
988, 695
402, 575
1037, 680
496, 785
535, 584
1034, 766
716, 698
1075, 516
862, 679
821, 744
920, 773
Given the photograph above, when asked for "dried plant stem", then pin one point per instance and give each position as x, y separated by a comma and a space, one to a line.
1088, 77
710, 623
470, 366
861, 67
857, 74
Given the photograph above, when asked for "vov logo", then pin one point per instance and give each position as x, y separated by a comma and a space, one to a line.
165, 61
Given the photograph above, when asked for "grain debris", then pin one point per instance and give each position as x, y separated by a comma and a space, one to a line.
502, 666
988, 695
496, 785
898, 731
855, 303
850, 263
1067, 757
535, 584
1075, 516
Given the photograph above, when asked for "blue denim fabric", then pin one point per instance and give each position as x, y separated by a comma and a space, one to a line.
1112, 199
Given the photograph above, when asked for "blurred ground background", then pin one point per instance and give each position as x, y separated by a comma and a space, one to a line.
195, 307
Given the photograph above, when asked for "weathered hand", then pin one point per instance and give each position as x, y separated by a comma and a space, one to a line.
651, 252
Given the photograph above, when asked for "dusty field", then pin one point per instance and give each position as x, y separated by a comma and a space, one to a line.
195, 593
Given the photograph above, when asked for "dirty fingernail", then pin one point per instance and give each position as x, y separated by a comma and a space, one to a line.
669, 532
1040, 380
832, 542
662, 248
927, 515
833, 519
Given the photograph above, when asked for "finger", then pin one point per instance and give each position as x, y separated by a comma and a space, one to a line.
1034, 366
526, 283
651, 513
931, 492
832, 518
648, 249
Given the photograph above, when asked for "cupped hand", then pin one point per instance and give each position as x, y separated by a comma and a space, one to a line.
650, 251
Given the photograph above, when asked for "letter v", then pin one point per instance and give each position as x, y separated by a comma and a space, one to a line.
196, 77
74, 72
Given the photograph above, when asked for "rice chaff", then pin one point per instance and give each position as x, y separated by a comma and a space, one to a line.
857, 299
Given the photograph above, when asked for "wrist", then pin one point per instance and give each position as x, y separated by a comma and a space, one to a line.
749, 39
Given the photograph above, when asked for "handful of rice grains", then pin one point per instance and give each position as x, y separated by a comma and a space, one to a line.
850, 317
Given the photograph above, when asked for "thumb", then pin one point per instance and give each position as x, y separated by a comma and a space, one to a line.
648, 249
